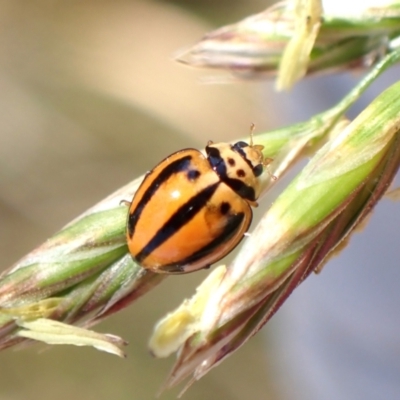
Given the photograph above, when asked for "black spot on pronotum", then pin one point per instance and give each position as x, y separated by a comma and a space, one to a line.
218, 165
240, 173
240, 145
258, 170
238, 148
193, 174
231, 162
224, 207
214, 158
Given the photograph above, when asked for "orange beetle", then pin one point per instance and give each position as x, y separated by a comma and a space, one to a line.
191, 210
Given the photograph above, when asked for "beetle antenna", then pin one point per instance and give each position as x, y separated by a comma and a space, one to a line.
252, 127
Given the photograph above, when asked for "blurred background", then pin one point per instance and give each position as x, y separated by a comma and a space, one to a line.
90, 98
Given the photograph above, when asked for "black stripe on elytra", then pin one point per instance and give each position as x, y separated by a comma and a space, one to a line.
243, 190
219, 166
234, 221
182, 164
181, 217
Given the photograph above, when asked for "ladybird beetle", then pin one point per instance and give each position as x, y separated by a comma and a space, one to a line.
191, 210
